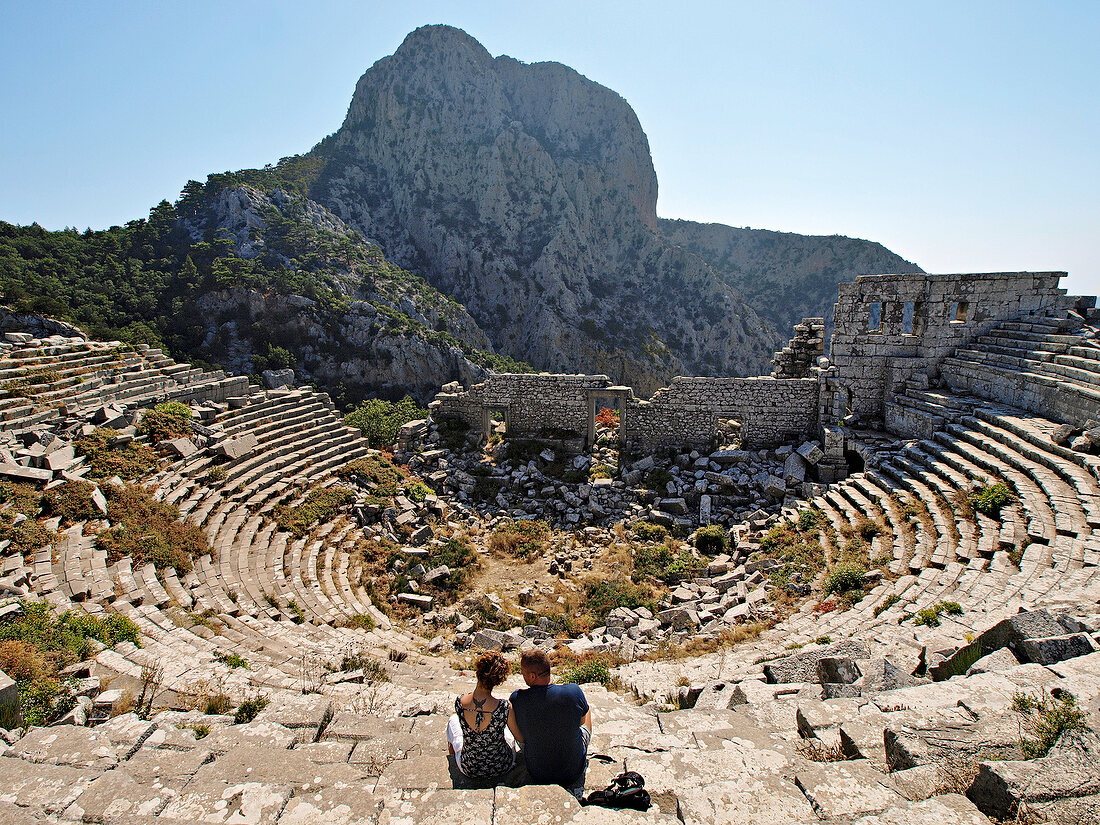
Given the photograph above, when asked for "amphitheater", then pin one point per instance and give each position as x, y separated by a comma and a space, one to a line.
932, 384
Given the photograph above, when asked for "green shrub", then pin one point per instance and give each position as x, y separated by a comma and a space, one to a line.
148, 530
930, 616
166, 421
809, 519
461, 559
601, 596
72, 501
361, 621
890, 601
990, 498
1046, 718
36, 646
823, 640
128, 461
380, 420
248, 709
522, 539
320, 504
586, 672
233, 660
417, 490
601, 471
297, 615
711, 540
648, 531
664, 561
845, 578
658, 479
376, 472
927, 616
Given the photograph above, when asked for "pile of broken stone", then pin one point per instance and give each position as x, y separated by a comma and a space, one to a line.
720, 487
1082, 439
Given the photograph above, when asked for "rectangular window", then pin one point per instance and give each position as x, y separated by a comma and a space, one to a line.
959, 312
874, 318
907, 314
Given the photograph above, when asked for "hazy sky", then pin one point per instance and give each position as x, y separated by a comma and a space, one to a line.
964, 136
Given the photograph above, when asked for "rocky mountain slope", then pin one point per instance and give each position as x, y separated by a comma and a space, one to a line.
248, 275
470, 211
527, 193
784, 276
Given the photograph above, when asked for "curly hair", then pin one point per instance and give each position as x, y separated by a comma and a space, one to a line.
491, 669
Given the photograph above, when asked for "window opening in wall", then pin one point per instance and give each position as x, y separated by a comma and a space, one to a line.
874, 318
496, 424
959, 312
842, 403
728, 433
607, 417
908, 313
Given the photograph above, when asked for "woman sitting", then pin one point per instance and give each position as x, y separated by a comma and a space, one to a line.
477, 733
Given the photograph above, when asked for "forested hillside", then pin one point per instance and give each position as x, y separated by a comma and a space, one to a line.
234, 276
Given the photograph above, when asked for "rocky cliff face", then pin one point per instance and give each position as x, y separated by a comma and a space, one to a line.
366, 328
784, 276
527, 193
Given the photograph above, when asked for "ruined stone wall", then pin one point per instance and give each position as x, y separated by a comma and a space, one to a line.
888, 327
530, 402
771, 411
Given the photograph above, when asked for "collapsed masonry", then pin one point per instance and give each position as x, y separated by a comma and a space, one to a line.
891, 332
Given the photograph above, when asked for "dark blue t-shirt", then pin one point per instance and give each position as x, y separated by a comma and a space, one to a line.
549, 719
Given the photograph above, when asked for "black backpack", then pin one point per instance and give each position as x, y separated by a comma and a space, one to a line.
627, 790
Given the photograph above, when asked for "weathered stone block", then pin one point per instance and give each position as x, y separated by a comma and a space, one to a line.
802, 667
1070, 770
9, 703
238, 447
837, 670
1056, 648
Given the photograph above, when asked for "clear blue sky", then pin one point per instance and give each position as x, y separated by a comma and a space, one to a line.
965, 136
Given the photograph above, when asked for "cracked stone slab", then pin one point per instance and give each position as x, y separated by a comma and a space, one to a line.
49, 788
268, 734
297, 711
115, 794
326, 753
760, 800
253, 763
332, 806
77, 747
1071, 769
374, 755
846, 788
733, 760
12, 814
254, 803
437, 807
164, 767
127, 732
417, 773
355, 727
949, 809
534, 805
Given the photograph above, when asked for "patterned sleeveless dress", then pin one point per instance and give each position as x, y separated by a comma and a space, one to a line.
485, 754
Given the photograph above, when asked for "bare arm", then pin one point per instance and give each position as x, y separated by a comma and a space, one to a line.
587, 720
512, 725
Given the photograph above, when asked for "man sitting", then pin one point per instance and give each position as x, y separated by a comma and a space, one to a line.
554, 725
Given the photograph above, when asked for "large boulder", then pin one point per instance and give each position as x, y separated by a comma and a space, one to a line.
9, 703
1070, 771
802, 667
